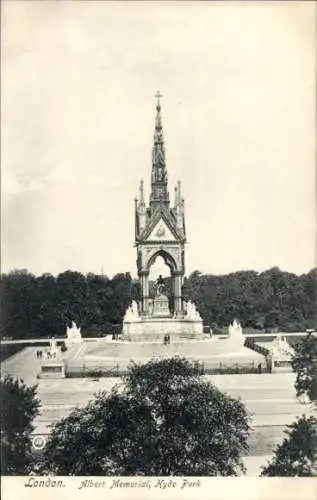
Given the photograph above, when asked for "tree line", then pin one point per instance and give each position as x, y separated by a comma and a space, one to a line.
45, 305
33, 307
267, 301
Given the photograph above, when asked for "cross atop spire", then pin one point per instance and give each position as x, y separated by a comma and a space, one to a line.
158, 96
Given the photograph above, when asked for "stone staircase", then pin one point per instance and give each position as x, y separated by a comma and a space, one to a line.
114, 357
194, 349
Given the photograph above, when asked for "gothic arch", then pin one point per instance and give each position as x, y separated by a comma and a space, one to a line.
167, 257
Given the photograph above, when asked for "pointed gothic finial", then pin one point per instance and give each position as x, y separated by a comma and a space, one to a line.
141, 192
179, 191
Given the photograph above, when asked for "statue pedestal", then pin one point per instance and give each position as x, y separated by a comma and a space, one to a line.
160, 306
52, 369
151, 329
235, 337
73, 335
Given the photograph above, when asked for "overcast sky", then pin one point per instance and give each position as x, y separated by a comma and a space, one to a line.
78, 80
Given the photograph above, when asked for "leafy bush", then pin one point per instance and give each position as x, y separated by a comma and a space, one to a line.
164, 420
297, 455
19, 406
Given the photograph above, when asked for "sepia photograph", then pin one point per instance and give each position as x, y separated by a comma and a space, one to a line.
158, 249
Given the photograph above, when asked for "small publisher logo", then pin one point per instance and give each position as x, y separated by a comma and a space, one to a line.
38, 442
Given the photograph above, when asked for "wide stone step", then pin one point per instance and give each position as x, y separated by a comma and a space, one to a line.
204, 350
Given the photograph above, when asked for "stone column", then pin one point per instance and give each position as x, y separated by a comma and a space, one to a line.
141, 279
178, 293
146, 293
144, 278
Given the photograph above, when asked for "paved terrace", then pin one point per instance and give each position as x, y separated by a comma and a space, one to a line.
269, 398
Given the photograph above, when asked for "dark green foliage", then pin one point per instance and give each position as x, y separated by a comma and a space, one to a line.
305, 366
17, 307
71, 290
165, 420
19, 406
297, 455
272, 300
44, 306
35, 307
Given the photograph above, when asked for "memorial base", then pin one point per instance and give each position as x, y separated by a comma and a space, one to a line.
151, 329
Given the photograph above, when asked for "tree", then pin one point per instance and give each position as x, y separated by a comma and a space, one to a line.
164, 420
297, 455
121, 285
47, 320
309, 309
19, 406
16, 303
71, 296
305, 366
99, 297
106, 302
273, 299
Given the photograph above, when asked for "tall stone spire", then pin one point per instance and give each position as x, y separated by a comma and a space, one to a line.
159, 228
159, 194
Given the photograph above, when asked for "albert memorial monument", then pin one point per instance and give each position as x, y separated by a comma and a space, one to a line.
160, 231
160, 322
